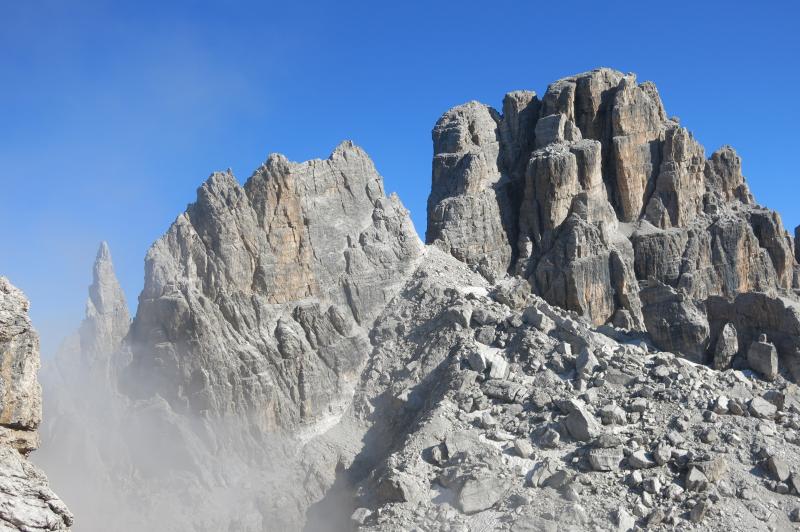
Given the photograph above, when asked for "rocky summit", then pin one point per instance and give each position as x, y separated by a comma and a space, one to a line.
601, 333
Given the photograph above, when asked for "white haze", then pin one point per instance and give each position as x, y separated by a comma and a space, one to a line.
128, 465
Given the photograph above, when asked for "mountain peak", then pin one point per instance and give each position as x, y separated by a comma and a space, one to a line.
107, 316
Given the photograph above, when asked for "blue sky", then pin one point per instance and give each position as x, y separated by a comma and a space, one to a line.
113, 113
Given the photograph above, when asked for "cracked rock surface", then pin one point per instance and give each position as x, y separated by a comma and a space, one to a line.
26, 501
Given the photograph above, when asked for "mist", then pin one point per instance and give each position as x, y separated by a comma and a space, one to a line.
123, 457
132, 465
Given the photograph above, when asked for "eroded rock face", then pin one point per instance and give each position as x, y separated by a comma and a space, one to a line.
674, 321
257, 299
614, 194
250, 335
26, 501
107, 318
20, 393
478, 162
638, 123
757, 313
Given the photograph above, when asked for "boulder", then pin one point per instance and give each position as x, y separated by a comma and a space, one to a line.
762, 408
586, 363
726, 347
695, 480
641, 460
674, 321
580, 424
605, 459
778, 469
763, 358
478, 494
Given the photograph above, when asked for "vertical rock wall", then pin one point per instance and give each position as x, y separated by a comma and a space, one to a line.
614, 195
26, 501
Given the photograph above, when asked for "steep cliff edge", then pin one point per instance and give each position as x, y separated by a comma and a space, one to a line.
26, 501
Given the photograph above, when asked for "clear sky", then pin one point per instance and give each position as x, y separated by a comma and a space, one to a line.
112, 113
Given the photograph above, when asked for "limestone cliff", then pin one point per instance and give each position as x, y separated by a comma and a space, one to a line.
595, 196
26, 501
258, 299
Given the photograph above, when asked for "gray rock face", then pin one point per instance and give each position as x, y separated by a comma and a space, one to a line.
614, 194
257, 299
20, 393
26, 501
797, 243
471, 209
763, 358
250, 336
107, 318
756, 313
674, 321
726, 347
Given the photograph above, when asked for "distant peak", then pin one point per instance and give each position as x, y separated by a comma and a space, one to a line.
105, 286
103, 252
107, 319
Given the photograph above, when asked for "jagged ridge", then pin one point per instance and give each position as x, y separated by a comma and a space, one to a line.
610, 209
293, 331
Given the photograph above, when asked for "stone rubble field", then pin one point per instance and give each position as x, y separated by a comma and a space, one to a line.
545, 423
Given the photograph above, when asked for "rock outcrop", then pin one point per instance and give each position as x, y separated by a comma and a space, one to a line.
20, 395
88, 424
26, 501
248, 342
257, 300
107, 317
615, 196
